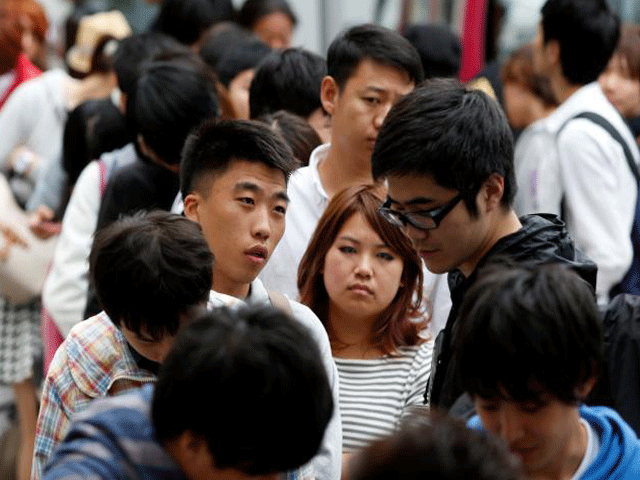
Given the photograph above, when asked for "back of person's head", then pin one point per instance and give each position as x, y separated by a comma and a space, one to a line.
216, 144
455, 135
528, 332
296, 131
435, 447
287, 80
587, 33
374, 43
218, 39
149, 268
134, 51
439, 48
245, 53
171, 98
253, 10
187, 20
271, 399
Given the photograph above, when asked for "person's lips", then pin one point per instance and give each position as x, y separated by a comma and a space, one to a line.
257, 254
360, 289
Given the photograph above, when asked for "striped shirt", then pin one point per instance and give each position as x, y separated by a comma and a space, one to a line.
375, 392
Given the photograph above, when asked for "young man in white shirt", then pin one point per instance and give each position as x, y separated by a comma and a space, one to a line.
233, 178
583, 172
369, 68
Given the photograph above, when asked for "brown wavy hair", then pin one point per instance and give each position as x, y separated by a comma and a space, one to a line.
397, 325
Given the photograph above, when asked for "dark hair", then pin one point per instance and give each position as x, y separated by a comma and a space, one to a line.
244, 53
396, 325
437, 447
187, 20
287, 80
519, 69
439, 49
219, 39
456, 135
216, 144
102, 58
171, 98
296, 131
372, 42
262, 366
587, 33
148, 268
135, 50
526, 332
253, 10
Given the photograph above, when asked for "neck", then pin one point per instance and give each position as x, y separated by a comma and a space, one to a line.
350, 335
569, 457
97, 85
507, 223
561, 88
341, 169
223, 284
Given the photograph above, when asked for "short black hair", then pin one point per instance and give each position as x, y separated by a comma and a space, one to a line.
171, 98
526, 332
271, 402
187, 20
296, 131
375, 43
243, 53
253, 10
435, 446
216, 144
149, 268
587, 33
133, 51
218, 40
439, 48
455, 135
287, 80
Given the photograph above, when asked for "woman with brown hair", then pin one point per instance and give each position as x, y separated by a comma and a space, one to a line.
363, 279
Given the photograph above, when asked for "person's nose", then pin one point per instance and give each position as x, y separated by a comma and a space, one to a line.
510, 425
363, 266
262, 224
381, 114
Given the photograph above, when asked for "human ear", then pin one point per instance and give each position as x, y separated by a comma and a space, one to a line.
191, 203
583, 391
492, 191
329, 94
552, 52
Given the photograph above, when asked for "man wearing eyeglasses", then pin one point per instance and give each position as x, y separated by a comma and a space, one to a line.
447, 155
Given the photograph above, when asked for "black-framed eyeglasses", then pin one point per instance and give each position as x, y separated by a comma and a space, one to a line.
422, 219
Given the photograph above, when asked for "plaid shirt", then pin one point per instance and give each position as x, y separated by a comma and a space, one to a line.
94, 361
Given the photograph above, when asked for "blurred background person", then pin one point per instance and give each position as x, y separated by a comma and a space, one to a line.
271, 20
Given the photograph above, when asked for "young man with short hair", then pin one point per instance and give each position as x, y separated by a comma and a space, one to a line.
243, 395
529, 353
583, 172
446, 153
152, 273
233, 178
369, 68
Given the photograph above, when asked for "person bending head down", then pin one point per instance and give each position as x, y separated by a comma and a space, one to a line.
529, 353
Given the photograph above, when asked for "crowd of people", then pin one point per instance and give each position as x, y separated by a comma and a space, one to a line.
265, 263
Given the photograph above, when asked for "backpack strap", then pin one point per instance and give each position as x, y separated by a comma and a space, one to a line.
281, 302
605, 124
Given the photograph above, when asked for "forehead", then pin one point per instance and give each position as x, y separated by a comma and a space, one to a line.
374, 75
248, 171
417, 189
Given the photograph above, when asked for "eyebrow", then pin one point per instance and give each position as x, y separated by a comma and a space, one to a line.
252, 187
379, 90
413, 201
353, 240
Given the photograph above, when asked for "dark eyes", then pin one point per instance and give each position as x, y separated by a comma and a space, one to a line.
247, 200
347, 249
386, 256
372, 100
281, 210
